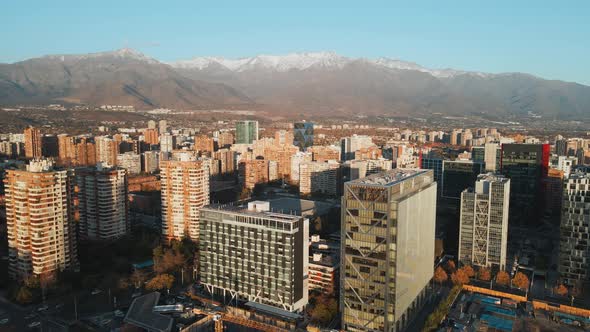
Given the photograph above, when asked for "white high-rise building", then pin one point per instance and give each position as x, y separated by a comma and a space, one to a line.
349, 145
162, 126
130, 161
483, 230
185, 190
167, 142
388, 223
319, 177
102, 203
296, 160
40, 220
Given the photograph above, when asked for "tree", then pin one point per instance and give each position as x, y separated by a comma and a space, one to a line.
469, 271
460, 277
485, 274
502, 278
560, 290
451, 266
440, 275
160, 282
520, 280
24, 295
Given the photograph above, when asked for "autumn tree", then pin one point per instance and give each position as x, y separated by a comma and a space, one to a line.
503, 278
485, 274
560, 290
460, 277
451, 266
469, 271
440, 275
160, 282
520, 280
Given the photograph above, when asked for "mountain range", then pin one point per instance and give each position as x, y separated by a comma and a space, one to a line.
322, 83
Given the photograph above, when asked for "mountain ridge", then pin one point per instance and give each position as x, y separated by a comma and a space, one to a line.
314, 82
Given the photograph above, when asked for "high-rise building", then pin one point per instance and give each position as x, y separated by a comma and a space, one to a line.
357, 169
150, 136
435, 163
253, 172
49, 146
349, 145
283, 137
151, 124
255, 255
458, 175
561, 147
33, 143
492, 157
107, 150
388, 223
324, 153
246, 132
483, 230
167, 142
303, 135
150, 161
162, 126
574, 248
102, 203
296, 160
40, 220
130, 161
204, 143
526, 165
185, 190
226, 159
225, 139
319, 177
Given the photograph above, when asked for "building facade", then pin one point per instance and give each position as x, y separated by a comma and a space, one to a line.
33, 143
246, 132
574, 249
40, 220
483, 229
103, 204
526, 165
319, 177
249, 252
303, 135
185, 190
388, 224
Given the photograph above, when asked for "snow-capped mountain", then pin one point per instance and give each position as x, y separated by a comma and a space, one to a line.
120, 54
303, 61
281, 63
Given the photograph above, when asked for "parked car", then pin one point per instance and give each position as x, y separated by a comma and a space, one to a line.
34, 324
43, 307
96, 291
4, 321
119, 313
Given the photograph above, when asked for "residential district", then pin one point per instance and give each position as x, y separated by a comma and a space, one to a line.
247, 226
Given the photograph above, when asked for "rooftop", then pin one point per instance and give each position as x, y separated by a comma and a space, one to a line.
250, 208
141, 314
389, 178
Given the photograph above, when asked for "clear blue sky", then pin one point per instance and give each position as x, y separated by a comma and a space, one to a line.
550, 39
